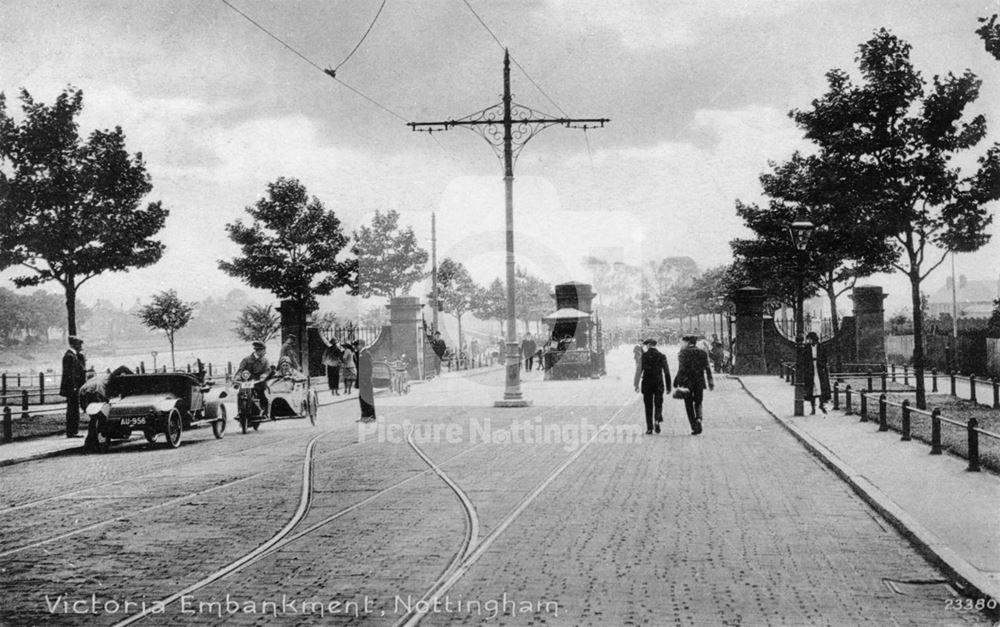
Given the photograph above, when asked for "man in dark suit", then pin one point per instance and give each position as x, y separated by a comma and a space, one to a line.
74, 369
692, 372
652, 377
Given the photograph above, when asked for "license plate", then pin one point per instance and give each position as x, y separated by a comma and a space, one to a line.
133, 421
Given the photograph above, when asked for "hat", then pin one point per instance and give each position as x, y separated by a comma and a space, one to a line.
812, 336
258, 345
690, 338
74, 340
649, 342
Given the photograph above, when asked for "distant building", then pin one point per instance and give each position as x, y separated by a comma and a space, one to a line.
974, 298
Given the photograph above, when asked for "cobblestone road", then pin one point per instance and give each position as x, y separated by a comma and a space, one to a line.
737, 526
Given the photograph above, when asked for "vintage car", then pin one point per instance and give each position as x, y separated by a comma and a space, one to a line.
166, 403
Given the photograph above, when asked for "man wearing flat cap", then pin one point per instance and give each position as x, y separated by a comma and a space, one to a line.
652, 377
74, 373
257, 369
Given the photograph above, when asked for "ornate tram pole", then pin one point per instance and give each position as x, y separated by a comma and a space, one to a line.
515, 126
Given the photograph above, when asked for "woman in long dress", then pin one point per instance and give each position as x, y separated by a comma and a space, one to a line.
817, 379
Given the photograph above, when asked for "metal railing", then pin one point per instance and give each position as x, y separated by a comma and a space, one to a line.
971, 426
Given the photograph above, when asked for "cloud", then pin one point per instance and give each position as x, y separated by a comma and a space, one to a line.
655, 24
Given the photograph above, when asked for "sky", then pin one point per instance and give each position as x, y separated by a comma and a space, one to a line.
697, 93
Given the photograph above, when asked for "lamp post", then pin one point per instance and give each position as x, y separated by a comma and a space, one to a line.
800, 231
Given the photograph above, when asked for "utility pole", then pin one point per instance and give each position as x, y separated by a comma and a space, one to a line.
434, 272
496, 125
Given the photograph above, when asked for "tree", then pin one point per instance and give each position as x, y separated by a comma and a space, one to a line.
168, 313
993, 324
257, 323
291, 246
457, 291
843, 247
70, 208
894, 142
989, 32
532, 297
491, 303
389, 259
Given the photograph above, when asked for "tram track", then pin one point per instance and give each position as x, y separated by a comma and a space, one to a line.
470, 548
157, 471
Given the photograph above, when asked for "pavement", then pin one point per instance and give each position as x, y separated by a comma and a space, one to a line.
950, 514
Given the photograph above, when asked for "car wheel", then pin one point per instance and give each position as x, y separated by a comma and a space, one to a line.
174, 428
219, 426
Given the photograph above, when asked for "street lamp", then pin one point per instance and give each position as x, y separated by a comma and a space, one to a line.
800, 231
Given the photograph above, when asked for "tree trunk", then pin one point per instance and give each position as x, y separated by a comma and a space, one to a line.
170, 338
918, 338
831, 294
70, 286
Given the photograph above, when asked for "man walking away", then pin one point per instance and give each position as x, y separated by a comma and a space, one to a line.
692, 372
528, 349
652, 377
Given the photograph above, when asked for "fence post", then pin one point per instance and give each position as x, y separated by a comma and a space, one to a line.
869, 379
24, 404
229, 369
19, 379
952, 374
882, 424
836, 394
973, 445
41, 388
933, 379
884, 384
893, 367
996, 393
864, 407
209, 370
8, 427
3, 385
142, 367
936, 432
847, 401
906, 421
972, 388
906, 375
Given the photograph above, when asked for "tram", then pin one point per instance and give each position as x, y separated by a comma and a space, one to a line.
573, 350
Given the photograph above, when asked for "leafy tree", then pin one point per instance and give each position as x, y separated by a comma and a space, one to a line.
291, 246
168, 313
257, 323
532, 297
457, 290
989, 32
491, 303
993, 324
71, 206
389, 259
45, 311
843, 247
618, 284
375, 316
893, 142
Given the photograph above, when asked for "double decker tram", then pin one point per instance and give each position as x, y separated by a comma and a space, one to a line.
574, 349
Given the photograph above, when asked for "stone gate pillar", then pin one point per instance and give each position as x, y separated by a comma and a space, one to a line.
406, 325
869, 319
749, 358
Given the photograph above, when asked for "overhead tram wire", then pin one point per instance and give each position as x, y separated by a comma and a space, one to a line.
328, 72
363, 37
523, 71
